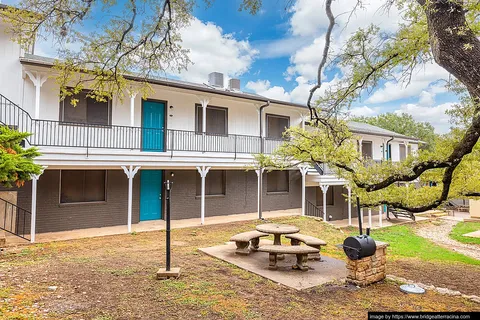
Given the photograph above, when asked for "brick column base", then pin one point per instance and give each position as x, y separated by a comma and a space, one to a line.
368, 270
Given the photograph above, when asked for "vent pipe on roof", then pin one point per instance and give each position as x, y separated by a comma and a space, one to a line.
215, 79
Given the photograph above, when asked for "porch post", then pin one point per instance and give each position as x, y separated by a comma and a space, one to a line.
132, 108
203, 173
33, 219
380, 216
130, 172
303, 171
38, 80
324, 191
369, 217
259, 191
349, 189
360, 147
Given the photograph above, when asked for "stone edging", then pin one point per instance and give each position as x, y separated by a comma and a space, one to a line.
443, 291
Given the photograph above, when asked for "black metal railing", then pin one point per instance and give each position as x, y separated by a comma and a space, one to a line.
14, 219
312, 210
53, 133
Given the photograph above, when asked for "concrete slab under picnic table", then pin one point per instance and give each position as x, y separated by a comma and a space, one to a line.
327, 270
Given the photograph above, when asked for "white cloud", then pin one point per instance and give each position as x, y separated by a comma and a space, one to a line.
299, 94
423, 79
263, 88
435, 114
212, 50
364, 111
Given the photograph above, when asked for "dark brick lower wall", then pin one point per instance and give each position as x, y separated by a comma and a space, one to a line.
339, 210
53, 216
240, 195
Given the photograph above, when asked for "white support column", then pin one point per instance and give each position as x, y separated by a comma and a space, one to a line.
33, 220
204, 103
324, 191
38, 80
303, 171
349, 189
360, 147
380, 216
369, 217
259, 173
133, 94
130, 172
203, 174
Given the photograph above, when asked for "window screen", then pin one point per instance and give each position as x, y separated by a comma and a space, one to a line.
329, 196
214, 183
216, 120
278, 181
87, 110
276, 125
367, 150
82, 186
403, 152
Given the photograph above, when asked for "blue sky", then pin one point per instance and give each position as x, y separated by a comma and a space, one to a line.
276, 53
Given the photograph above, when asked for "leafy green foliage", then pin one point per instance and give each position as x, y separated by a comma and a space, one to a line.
16, 163
403, 124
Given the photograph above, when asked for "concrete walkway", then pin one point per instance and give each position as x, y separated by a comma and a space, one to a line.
440, 235
375, 222
146, 226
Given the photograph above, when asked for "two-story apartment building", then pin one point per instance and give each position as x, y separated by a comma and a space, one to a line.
106, 162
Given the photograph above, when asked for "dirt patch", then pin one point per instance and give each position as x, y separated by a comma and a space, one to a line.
461, 277
114, 278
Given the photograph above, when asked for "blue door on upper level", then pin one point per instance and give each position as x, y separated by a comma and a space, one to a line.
153, 123
150, 195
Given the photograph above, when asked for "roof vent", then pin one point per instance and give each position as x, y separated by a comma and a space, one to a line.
215, 79
234, 84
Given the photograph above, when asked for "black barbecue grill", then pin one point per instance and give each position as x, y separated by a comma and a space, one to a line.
361, 246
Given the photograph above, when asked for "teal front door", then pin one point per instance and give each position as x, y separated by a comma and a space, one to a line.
153, 126
150, 195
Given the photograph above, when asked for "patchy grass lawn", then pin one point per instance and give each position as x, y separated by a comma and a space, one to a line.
113, 278
405, 243
465, 227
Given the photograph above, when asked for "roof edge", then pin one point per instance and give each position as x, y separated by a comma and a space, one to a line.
166, 83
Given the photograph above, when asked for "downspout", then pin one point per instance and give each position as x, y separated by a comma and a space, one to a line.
260, 112
389, 156
260, 170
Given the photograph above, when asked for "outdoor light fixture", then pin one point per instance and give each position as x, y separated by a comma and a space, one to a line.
167, 272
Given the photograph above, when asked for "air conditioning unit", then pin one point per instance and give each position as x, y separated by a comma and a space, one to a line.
234, 84
215, 79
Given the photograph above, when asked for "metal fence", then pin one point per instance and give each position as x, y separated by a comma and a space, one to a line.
14, 219
63, 134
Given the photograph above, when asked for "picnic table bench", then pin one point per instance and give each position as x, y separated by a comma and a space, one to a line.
247, 241
297, 238
300, 251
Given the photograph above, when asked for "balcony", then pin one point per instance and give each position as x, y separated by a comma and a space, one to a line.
51, 133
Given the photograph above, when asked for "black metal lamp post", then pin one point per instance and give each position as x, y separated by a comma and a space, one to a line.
168, 272
168, 189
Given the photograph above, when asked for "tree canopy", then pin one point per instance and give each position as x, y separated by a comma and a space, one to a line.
16, 162
436, 31
404, 124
